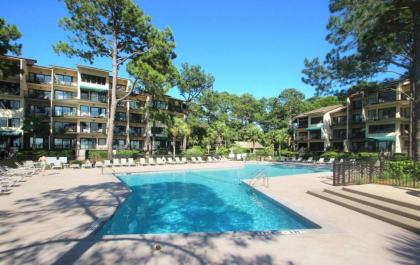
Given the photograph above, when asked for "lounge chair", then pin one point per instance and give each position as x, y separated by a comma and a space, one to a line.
184, 160
108, 163
282, 159
171, 161
269, 158
309, 160
124, 162
238, 156
87, 164
194, 160
200, 160
116, 162
159, 161
99, 164
131, 162
331, 161
151, 161
299, 160
57, 165
321, 160
142, 162
177, 160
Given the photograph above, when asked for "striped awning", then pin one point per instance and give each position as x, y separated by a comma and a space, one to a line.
314, 127
390, 138
10, 133
94, 88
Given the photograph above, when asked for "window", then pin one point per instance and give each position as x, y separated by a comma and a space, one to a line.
405, 112
39, 94
136, 131
135, 104
120, 116
63, 143
87, 143
60, 111
14, 122
160, 104
64, 127
137, 118
387, 96
404, 129
39, 143
39, 78
65, 80
58, 94
40, 110
119, 130
84, 127
372, 98
97, 112
136, 144
97, 127
386, 128
157, 130
316, 120
357, 104
372, 115
315, 135
7, 88
84, 111
357, 133
387, 113
101, 141
119, 143
339, 134
9, 104
93, 79
3, 122
357, 117
340, 120
93, 96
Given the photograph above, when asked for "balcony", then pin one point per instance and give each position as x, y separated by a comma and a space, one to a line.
65, 83
66, 130
66, 114
302, 125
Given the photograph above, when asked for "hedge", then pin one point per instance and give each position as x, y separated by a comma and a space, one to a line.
36, 154
194, 151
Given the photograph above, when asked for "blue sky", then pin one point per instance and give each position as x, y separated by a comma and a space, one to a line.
248, 45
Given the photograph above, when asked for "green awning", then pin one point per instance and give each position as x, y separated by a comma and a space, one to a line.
314, 127
94, 88
383, 138
10, 133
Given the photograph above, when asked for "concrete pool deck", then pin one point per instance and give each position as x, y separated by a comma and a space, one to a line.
46, 221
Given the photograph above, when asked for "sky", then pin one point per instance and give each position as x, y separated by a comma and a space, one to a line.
249, 46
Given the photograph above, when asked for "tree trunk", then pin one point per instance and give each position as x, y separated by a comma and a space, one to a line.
110, 132
184, 143
33, 141
173, 146
415, 85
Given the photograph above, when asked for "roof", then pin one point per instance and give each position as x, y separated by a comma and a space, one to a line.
320, 111
249, 145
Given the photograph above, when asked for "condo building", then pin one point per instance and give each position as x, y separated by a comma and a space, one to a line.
371, 120
68, 108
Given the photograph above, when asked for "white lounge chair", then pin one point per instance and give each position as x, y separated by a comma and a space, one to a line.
282, 159
99, 164
184, 160
142, 161
194, 160
159, 161
299, 160
293, 159
238, 156
321, 160
124, 162
87, 164
151, 161
177, 160
200, 160
131, 162
309, 160
171, 161
116, 162
57, 165
331, 161
107, 163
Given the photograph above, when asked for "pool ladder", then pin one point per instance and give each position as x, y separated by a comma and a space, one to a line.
260, 175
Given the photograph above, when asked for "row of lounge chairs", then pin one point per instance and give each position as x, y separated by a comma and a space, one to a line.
130, 162
310, 160
11, 177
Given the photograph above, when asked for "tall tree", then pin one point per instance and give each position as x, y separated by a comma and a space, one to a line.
371, 37
292, 101
253, 134
9, 34
193, 81
114, 29
35, 124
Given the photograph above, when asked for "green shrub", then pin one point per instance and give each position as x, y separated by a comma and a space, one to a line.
331, 154
194, 151
96, 155
36, 154
239, 150
366, 155
129, 154
222, 151
288, 153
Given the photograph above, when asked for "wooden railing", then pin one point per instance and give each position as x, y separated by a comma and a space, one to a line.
403, 173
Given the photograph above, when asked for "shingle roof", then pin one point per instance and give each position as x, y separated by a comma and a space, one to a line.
249, 145
322, 110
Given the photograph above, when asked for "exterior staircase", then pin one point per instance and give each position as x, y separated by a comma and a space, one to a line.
392, 211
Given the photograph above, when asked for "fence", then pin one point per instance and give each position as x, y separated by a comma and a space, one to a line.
403, 173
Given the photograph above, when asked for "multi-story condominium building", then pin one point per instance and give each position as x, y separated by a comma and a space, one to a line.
72, 106
373, 120
312, 129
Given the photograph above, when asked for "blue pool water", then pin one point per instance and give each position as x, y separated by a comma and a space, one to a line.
203, 201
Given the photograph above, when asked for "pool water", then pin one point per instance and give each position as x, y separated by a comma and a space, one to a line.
203, 201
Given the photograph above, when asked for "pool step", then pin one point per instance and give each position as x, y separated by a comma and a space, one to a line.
378, 197
388, 213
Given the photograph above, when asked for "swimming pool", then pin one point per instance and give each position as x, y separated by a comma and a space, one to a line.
203, 201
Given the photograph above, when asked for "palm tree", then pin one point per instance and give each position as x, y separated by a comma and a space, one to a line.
253, 134
178, 127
